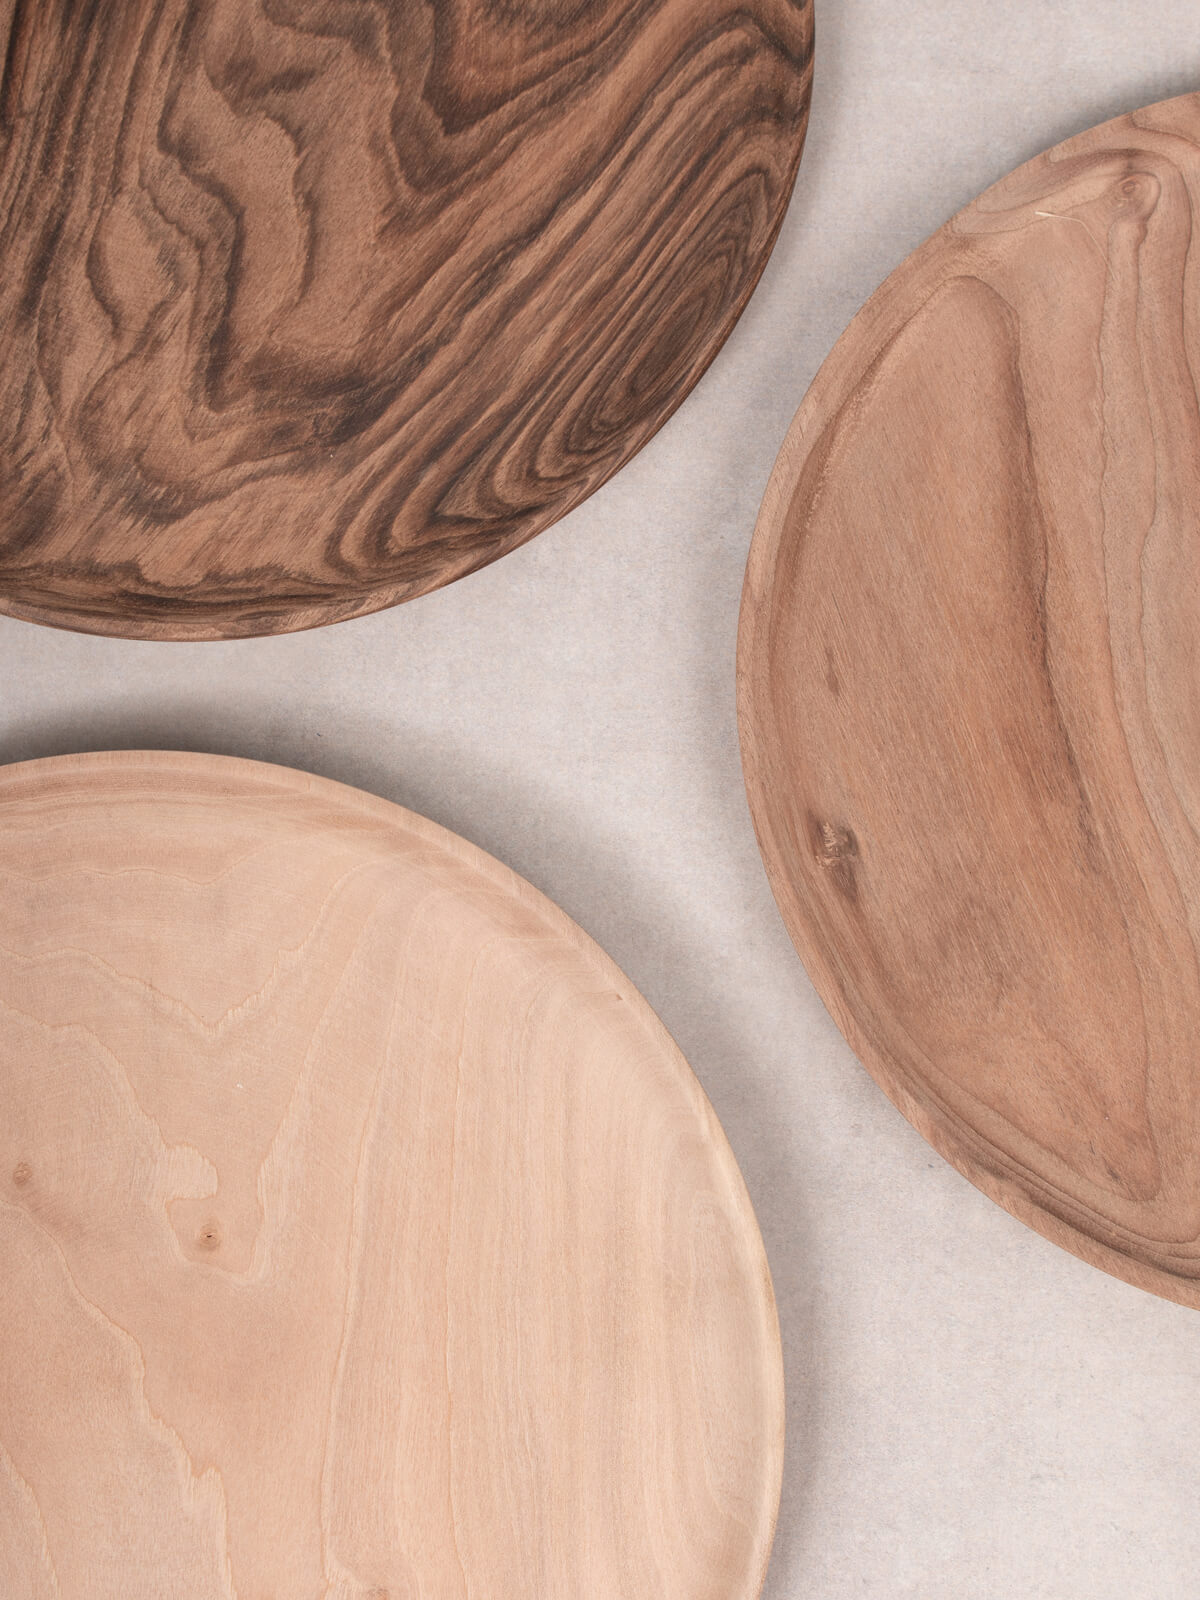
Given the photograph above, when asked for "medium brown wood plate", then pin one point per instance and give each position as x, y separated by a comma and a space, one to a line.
970, 692
310, 306
362, 1232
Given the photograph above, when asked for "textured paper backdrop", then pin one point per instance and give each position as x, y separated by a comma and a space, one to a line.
973, 1414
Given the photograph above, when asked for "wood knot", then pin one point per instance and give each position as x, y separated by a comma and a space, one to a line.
1136, 194
836, 852
209, 1237
22, 1174
836, 844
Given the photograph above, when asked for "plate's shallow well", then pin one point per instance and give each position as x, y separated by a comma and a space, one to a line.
970, 692
310, 306
362, 1232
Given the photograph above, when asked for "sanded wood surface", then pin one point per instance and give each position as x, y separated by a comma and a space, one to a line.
310, 306
362, 1232
970, 692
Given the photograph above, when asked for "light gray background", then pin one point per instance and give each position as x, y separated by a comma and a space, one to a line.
973, 1414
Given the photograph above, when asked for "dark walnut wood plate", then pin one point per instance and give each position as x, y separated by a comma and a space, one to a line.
362, 1232
310, 306
970, 692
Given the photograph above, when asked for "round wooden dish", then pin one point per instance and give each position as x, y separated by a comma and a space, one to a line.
310, 307
362, 1232
970, 692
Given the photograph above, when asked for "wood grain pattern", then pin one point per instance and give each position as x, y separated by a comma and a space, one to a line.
970, 692
310, 306
363, 1234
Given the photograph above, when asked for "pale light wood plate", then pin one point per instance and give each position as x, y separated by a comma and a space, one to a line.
970, 692
362, 1232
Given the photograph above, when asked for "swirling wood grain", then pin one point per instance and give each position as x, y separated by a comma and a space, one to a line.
363, 1235
310, 306
970, 692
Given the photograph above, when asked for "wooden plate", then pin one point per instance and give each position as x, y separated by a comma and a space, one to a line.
311, 306
362, 1232
970, 692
